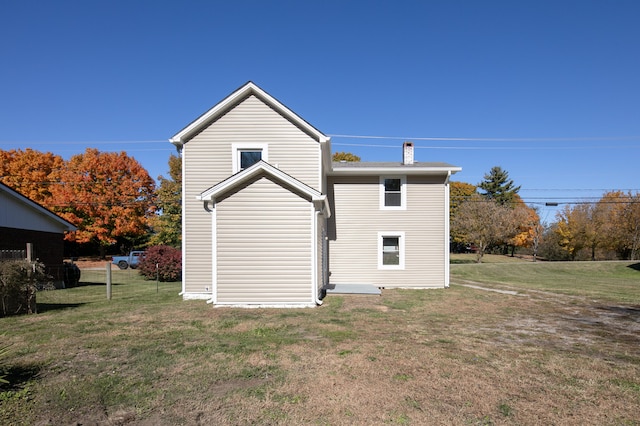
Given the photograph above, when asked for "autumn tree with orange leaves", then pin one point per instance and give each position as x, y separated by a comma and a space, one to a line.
33, 173
608, 227
622, 227
107, 195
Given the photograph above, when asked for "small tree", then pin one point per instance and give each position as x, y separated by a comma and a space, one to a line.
18, 284
168, 224
163, 262
345, 156
484, 223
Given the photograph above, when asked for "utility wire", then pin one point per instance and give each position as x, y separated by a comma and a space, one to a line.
551, 139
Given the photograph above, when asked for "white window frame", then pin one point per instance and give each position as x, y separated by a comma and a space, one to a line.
236, 148
401, 244
403, 193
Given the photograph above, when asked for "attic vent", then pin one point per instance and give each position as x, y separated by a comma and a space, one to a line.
407, 153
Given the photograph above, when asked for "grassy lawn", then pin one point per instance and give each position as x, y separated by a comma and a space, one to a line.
611, 281
566, 354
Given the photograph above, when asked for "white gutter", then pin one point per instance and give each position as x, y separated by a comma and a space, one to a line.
368, 171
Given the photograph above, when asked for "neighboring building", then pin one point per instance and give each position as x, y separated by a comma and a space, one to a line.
23, 221
269, 220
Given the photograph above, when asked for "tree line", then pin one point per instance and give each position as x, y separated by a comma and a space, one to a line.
491, 217
117, 206
108, 196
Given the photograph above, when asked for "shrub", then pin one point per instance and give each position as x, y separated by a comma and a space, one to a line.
4, 349
19, 281
168, 261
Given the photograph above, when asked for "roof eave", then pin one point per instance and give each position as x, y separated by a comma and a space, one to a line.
69, 227
364, 171
221, 107
256, 169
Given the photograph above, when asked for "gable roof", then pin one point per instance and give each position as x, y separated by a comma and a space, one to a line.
37, 208
266, 169
235, 98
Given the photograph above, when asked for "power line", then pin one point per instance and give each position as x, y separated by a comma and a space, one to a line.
548, 139
122, 142
490, 148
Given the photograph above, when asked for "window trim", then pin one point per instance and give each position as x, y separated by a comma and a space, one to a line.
403, 193
236, 148
401, 247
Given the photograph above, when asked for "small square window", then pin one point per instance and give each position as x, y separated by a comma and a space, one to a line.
246, 154
393, 193
249, 157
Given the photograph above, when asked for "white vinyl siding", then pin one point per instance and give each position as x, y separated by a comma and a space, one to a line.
264, 246
358, 220
208, 159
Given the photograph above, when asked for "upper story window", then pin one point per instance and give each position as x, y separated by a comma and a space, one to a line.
249, 157
247, 154
393, 193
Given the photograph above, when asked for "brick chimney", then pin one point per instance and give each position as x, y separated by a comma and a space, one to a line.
407, 153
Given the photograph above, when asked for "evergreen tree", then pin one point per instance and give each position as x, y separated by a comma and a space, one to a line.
498, 187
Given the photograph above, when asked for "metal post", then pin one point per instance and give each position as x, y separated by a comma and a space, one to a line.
108, 281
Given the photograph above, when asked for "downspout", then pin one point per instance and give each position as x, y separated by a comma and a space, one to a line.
183, 249
447, 232
315, 257
214, 253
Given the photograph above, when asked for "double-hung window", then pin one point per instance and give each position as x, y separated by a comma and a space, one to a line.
393, 195
246, 155
391, 250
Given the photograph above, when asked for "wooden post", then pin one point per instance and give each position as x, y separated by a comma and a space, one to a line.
108, 281
30, 252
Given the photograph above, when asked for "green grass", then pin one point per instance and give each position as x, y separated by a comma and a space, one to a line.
407, 357
607, 281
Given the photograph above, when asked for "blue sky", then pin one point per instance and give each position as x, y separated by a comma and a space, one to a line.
548, 90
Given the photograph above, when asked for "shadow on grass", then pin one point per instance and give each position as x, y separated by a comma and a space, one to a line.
623, 312
94, 283
462, 261
47, 307
635, 267
18, 376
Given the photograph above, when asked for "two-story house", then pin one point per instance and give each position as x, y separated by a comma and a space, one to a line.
269, 220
